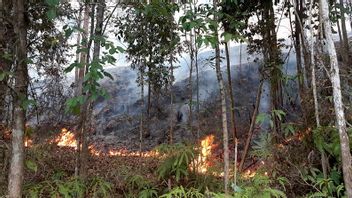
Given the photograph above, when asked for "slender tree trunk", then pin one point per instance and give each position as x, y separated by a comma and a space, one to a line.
98, 27
229, 80
297, 43
17, 156
190, 82
197, 84
344, 32
337, 96
141, 124
149, 91
251, 128
172, 113
81, 151
273, 61
223, 108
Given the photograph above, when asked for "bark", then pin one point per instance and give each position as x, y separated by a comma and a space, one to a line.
344, 32
79, 92
98, 27
86, 109
229, 81
172, 113
337, 97
149, 90
251, 127
190, 82
197, 84
223, 109
299, 58
17, 156
141, 124
273, 65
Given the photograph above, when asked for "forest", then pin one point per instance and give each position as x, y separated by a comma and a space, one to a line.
175, 99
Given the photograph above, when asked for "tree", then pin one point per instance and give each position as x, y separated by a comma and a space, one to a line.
21, 85
337, 96
223, 103
149, 48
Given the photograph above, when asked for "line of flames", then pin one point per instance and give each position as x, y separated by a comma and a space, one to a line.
67, 139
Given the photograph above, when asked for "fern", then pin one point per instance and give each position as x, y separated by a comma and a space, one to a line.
148, 192
180, 192
177, 161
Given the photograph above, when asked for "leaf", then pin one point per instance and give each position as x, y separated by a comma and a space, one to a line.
261, 118
52, 3
107, 74
2, 75
51, 14
68, 32
32, 166
227, 36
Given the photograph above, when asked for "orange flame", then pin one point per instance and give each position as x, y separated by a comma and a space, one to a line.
203, 159
66, 138
27, 142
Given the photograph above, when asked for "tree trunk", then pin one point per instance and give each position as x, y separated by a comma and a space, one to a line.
141, 124
344, 32
273, 62
337, 96
171, 132
190, 82
98, 28
21, 85
197, 84
251, 127
223, 108
80, 134
229, 80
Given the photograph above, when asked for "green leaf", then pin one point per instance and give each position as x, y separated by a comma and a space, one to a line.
32, 166
227, 37
2, 75
25, 103
52, 2
107, 74
261, 118
51, 14
68, 32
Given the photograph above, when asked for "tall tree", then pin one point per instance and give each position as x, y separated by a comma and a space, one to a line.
344, 32
223, 103
337, 96
21, 85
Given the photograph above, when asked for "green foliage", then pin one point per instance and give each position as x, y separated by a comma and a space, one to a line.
326, 139
208, 181
151, 34
94, 70
264, 117
176, 163
137, 184
99, 188
180, 192
52, 11
258, 187
332, 186
32, 166
72, 187
263, 147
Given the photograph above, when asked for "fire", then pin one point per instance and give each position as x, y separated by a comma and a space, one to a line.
249, 174
66, 138
27, 142
203, 159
